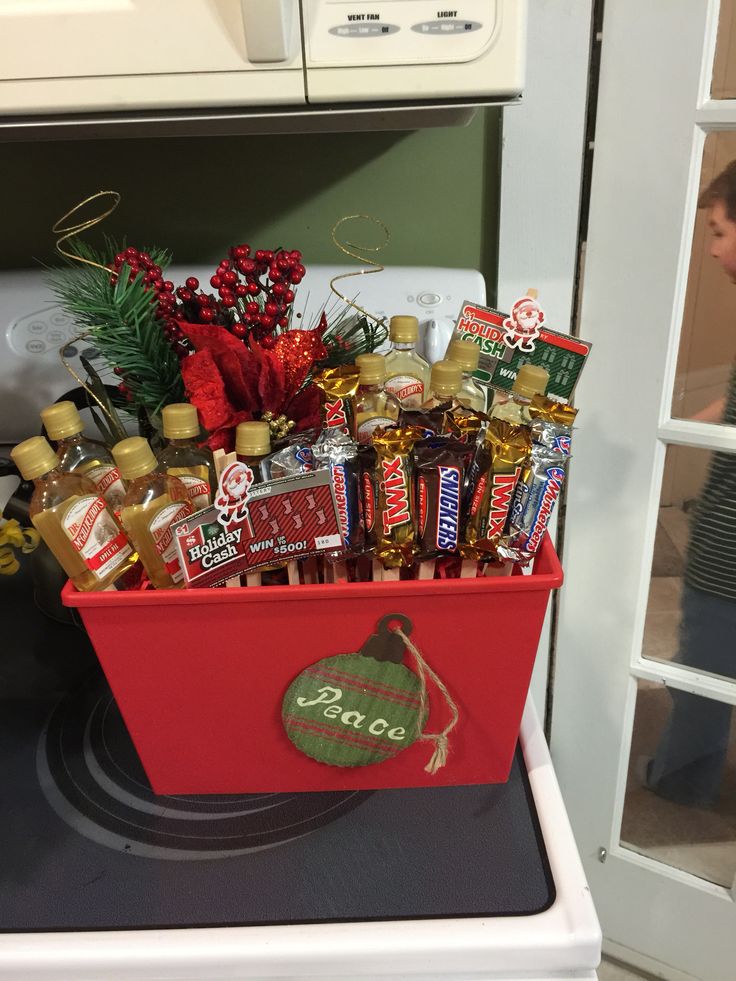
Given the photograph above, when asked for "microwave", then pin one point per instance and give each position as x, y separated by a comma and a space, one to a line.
123, 56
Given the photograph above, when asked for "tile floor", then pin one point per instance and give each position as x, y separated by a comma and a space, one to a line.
613, 971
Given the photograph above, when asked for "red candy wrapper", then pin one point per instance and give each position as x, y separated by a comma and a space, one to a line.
338, 386
395, 523
500, 461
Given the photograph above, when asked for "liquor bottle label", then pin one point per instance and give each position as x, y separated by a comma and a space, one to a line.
198, 488
93, 532
163, 538
108, 481
366, 427
408, 389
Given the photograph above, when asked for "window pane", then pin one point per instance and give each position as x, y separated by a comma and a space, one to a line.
708, 336
680, 805
723, 82
691, 613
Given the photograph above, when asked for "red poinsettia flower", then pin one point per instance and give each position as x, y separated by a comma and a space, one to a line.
230, 382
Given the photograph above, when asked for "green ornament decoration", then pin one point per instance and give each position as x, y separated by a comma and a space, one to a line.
363, 708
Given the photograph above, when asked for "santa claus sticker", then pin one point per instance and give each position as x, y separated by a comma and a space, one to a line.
524, 324
232, 494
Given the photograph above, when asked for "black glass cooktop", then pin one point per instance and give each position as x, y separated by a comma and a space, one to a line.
86, 845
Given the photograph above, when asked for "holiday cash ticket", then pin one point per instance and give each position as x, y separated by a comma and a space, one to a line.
252, 525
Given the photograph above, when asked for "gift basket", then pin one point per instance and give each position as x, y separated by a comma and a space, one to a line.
317, 566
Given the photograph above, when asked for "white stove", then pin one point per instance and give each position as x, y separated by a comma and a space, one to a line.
33, 327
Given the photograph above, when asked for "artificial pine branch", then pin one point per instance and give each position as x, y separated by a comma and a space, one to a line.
120, 317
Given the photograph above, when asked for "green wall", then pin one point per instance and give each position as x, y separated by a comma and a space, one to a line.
436, 189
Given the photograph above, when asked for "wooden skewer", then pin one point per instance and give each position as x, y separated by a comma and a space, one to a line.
292, 571
377, 571
310, 569
339, 571
391, 575
498, 569
222, 460
468, 569
426, 569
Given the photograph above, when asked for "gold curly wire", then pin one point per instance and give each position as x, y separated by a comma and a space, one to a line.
71, 231
345, 246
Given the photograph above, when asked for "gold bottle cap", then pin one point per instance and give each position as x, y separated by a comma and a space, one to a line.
372, 368
253, 439
180, 421
446, 378
34, 457
531, 380
61, 420
134, 457
403, 330
466, 353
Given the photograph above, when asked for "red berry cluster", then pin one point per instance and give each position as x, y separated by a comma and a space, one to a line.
163, 291
257, 289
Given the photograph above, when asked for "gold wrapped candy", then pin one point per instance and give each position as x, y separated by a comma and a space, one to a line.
395, 520
338, 386
502, 457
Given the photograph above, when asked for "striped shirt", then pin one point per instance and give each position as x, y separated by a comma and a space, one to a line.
711, 558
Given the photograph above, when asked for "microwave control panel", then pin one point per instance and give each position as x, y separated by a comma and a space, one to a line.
398, 32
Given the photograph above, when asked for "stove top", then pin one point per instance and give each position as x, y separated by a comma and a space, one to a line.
86, 845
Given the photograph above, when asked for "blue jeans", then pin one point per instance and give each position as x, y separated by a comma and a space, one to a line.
688, 764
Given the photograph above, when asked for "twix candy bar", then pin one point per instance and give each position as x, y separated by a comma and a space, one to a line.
338, 386
504, 453
394, 521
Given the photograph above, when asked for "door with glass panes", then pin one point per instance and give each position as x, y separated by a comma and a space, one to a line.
643, 732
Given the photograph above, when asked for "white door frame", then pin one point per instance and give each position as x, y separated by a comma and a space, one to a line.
541, 176
653, 111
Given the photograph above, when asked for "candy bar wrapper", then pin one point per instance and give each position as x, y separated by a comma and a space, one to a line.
534, 502
466, 424
368, 495
440, 475
338, 386
395, 523
552, 423
428, 422
279, 520
337, 453
506, 450
294, 459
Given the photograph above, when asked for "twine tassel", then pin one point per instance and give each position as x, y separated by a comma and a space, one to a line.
440, 739
439, 757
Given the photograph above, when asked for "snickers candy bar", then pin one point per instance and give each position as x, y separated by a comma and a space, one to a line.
440, 472
338, 386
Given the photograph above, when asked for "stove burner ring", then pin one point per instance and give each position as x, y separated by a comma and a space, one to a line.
90, 774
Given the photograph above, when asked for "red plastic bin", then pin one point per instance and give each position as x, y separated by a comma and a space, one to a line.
199, 674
